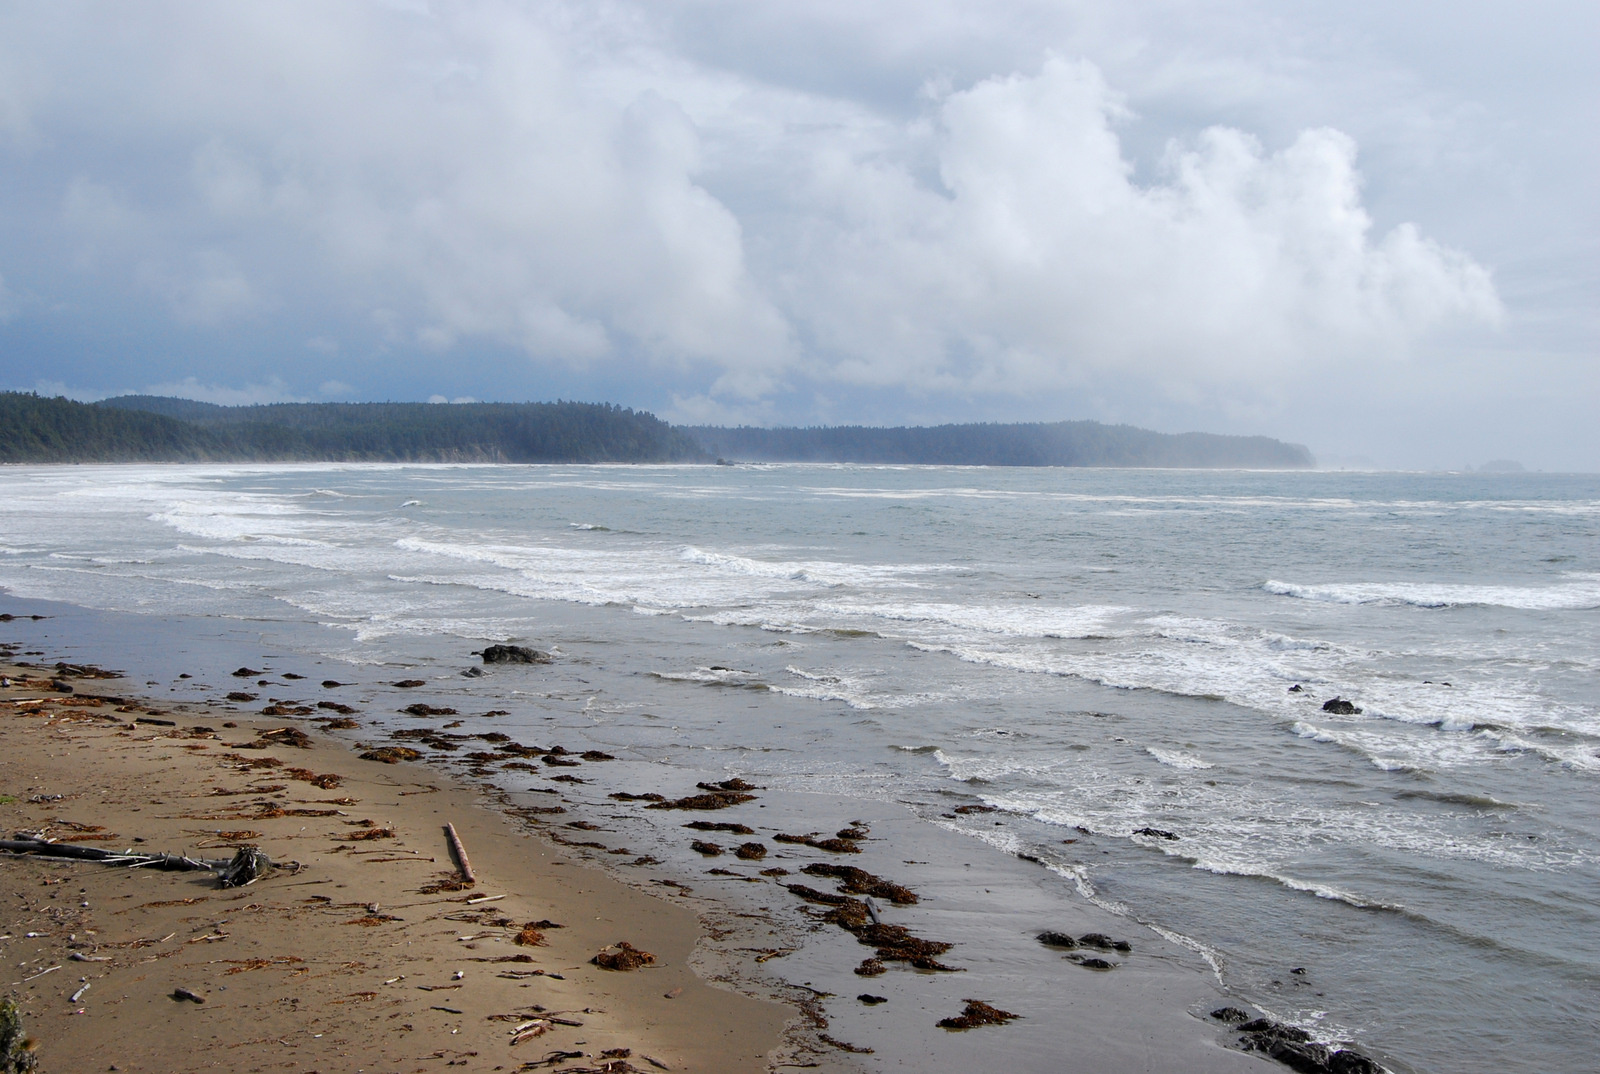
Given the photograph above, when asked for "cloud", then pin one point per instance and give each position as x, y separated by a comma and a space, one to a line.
1042, 262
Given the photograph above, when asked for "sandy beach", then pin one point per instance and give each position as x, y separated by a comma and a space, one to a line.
362, 951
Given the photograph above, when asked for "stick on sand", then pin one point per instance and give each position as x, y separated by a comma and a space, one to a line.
460, 854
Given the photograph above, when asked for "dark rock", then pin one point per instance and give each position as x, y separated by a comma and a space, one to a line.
1297, 689
872, 1001
1158, 833
1104, 942
1230, 1015
1302, 1056
1340, 707
1345, 1061
240, 695
473, 672
408, 684
329, 684
246, 673
1057, 939
513, 654
1097, 964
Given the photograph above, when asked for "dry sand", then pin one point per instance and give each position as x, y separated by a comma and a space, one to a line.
363, 955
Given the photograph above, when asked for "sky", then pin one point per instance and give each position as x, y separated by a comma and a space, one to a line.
1369, 227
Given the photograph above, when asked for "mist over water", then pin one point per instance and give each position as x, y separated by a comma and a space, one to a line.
1106, 656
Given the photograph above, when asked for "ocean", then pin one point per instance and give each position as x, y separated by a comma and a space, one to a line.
1135, 670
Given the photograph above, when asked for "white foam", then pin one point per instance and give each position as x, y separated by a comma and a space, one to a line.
1577, 594
1177, 758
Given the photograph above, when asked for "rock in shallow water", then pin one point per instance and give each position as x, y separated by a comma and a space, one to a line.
513, 654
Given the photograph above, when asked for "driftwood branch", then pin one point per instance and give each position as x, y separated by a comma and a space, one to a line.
245, 867
459, 852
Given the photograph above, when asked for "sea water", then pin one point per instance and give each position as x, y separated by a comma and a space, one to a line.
1131, 666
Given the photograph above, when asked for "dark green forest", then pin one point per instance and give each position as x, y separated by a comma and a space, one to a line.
149, 428
142, 428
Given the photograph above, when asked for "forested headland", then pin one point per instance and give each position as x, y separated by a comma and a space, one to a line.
142, 428
149, 428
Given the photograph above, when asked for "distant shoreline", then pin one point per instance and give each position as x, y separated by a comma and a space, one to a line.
34, 429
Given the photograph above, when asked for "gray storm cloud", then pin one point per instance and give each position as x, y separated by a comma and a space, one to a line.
564, 181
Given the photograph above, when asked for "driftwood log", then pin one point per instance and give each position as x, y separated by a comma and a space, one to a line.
246, 866
459, 852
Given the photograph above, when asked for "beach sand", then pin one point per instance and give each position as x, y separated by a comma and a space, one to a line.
354, 960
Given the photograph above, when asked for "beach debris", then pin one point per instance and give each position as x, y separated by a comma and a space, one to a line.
530, 935
622, 956
1230, 1015
246, 673
966, 809
860, 882
248, 866
326, 781
244, 861
734, 784
977, 1013
512, 654
18, 1051
79, 956
750, 851
720, 826
409, 684
286, 708
459, 852
710, 850
1094, 963
336, 706
240, 695
182, 994
712, 800
284, 736
1340, 707
391, 754
370, 833
834, 845
76, 996
419, 709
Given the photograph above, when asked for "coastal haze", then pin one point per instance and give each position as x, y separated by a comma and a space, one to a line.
1134, 669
